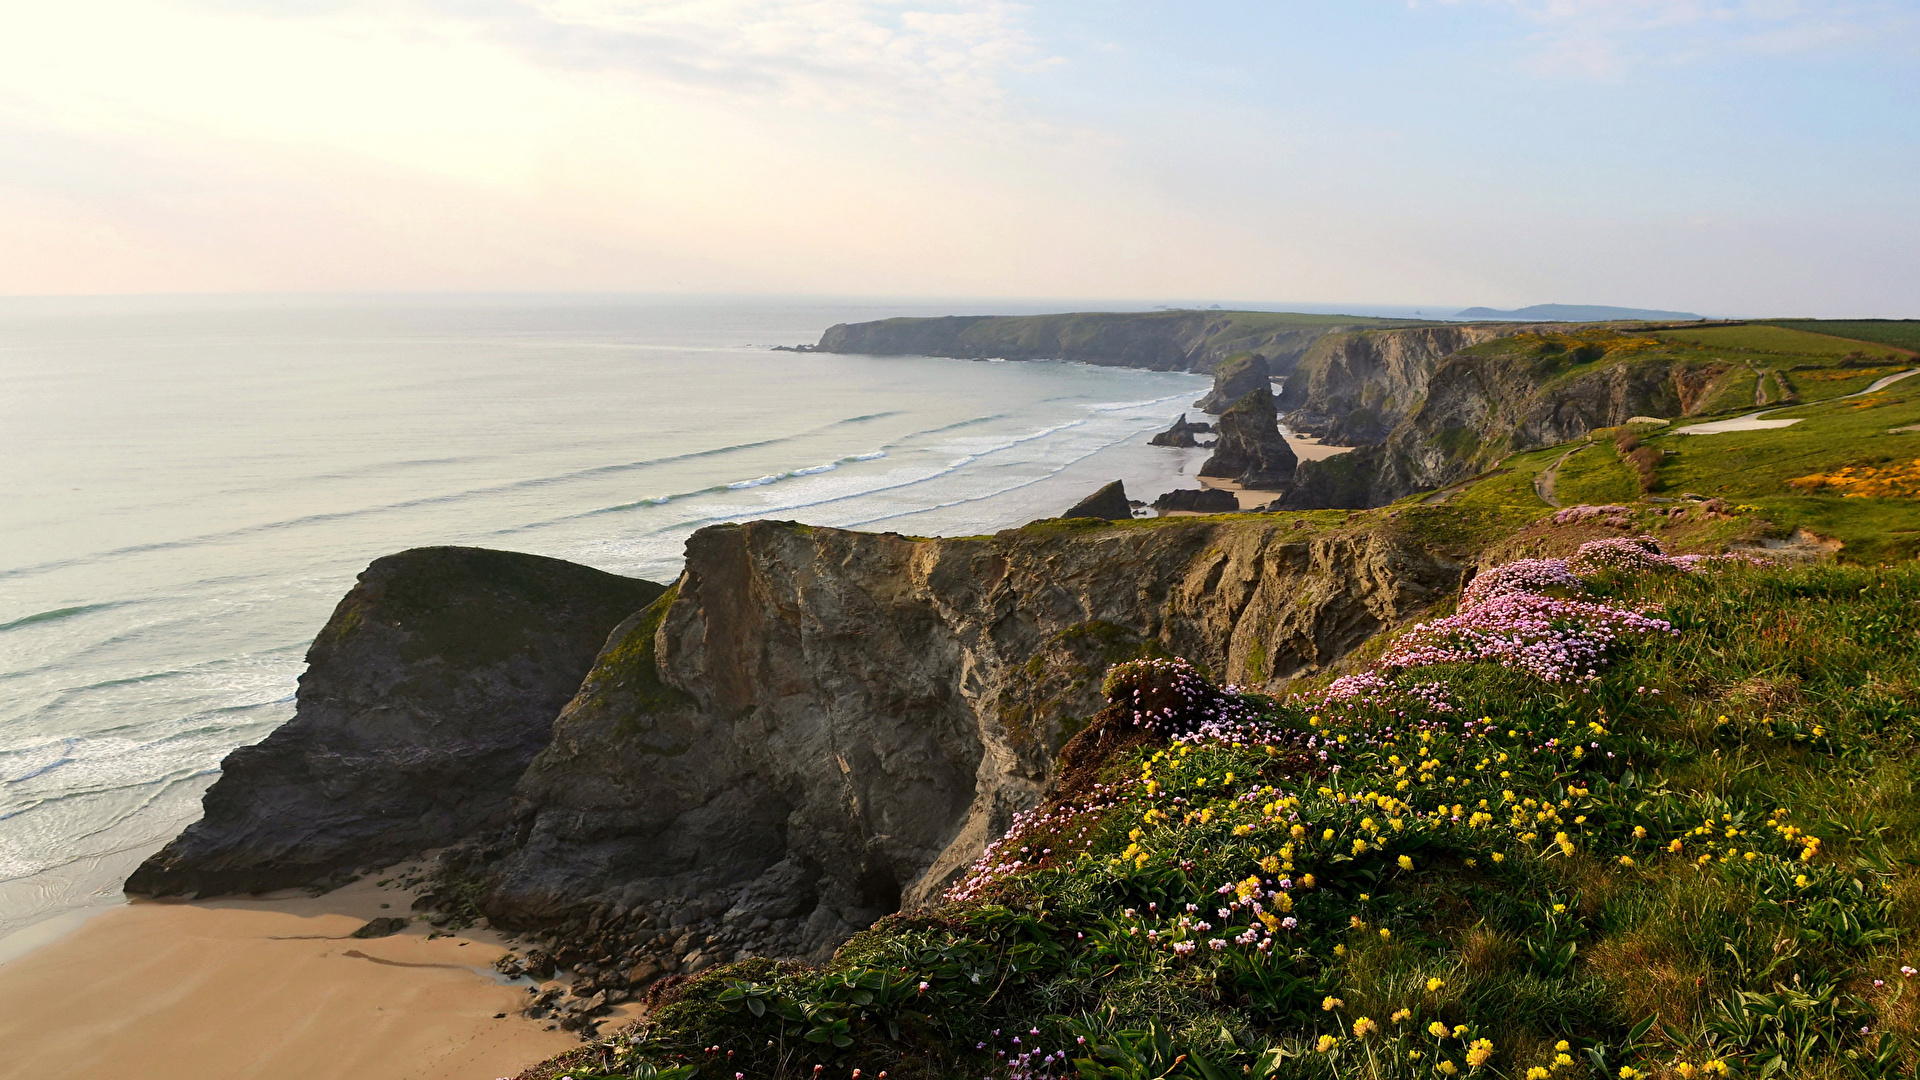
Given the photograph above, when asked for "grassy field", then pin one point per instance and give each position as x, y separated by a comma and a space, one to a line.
1900, 333
1699, 863
1596, 475
1756, 337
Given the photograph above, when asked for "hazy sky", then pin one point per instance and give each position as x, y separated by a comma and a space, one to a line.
1721, 156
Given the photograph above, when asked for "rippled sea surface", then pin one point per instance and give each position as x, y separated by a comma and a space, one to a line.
187, 487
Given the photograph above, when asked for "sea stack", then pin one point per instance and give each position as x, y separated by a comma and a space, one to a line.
1109, 502
1181, 434
1235, 378
1251, 450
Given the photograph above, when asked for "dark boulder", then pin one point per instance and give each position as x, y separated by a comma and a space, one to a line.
1198, 501
1181, 434
1109, 502
1234, 378
386, 926
1251, 450
426, 694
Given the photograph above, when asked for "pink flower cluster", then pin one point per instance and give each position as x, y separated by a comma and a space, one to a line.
1574, 515
1370, 688
1554, 639
1521, 575
1171, 698
1627, 555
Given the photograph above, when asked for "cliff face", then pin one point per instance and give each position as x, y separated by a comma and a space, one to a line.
1476, 409
815, 726
1355, 388
427, 693
1156, 340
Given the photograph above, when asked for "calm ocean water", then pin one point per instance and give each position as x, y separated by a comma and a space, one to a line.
191, 485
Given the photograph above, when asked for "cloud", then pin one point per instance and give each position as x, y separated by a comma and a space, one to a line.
887, 57
1610, 37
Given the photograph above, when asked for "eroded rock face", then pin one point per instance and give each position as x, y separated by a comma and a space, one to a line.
1354, 388
1234, 378
1250, 449
427, 693
815, 726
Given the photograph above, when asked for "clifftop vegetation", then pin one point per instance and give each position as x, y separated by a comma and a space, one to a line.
1616, 813
1620, 815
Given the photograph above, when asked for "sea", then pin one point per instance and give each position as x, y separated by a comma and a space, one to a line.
189, 485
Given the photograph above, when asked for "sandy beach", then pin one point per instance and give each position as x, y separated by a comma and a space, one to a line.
267, 987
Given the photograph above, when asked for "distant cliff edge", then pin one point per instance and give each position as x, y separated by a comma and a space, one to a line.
1154, 340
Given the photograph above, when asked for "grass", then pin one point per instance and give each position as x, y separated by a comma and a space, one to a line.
1705, 859
1757, 337
1899, 333
1596, 475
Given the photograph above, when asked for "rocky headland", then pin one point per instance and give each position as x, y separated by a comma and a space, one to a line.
1156, 340
810, 729
426, 695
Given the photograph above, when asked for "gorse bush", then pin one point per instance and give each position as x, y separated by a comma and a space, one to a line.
1691, 854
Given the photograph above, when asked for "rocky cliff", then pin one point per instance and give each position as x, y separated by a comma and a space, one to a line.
814, 727
1234, 378
1157, 340
1251, 450
1354, 388
1474, 408
426, 694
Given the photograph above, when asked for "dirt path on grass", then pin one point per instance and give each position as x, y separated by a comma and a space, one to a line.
1754, 421
1544, 479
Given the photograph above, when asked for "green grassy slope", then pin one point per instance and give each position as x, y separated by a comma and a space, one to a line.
1758, 337
1751, 468
1900, 333
1702, 860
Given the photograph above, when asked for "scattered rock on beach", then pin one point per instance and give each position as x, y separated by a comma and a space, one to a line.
386, 926
1181, 434
1198, 501
1109, 502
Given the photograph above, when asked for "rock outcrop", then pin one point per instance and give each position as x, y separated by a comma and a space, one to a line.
1181, 434
814, 727
1250, 450
1234, 378
1354, 388
427, 693
1476, 408
1197, 501
1157, 340
1109, 503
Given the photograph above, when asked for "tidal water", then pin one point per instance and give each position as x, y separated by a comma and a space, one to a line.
188, 486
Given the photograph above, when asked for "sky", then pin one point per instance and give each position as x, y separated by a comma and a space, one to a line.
1728, 157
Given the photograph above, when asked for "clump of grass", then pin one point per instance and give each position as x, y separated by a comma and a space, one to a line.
1698, 862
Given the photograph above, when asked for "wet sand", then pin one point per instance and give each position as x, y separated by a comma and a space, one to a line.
235, 989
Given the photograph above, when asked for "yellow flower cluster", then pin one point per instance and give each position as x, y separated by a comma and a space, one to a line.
1900, 481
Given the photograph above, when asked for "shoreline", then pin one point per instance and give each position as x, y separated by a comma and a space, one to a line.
268, 987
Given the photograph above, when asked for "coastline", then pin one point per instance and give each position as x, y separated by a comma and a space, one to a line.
270, 986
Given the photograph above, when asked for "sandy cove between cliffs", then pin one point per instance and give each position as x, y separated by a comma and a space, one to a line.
238, 988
